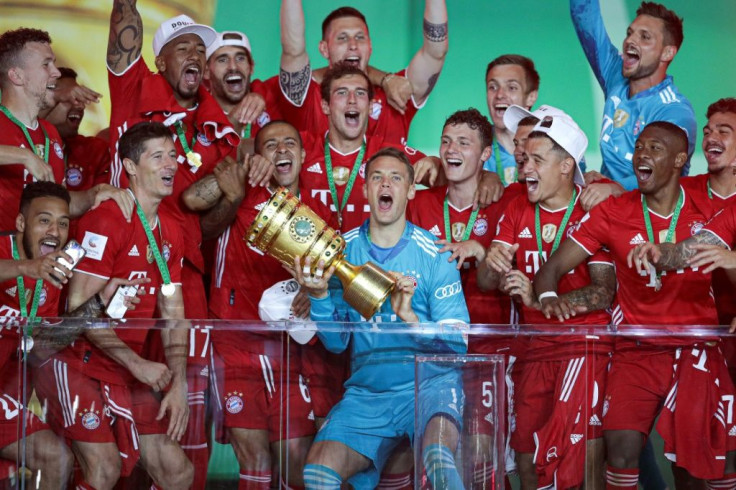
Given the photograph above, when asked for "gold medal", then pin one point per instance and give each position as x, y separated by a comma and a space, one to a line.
168, 290
194, 159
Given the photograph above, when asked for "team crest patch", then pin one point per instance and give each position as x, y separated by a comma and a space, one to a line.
340, 175
696, 227
57, 149
605, 407
480, 227
620, 117
73, 176
361, 171
263, 119
413, 280
234, 402
549, 231
376, 109
42, 297
202, 138
165, 252
90, 420
457, 231
638, 126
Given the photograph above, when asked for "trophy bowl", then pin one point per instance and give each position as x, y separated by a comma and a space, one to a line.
286, 228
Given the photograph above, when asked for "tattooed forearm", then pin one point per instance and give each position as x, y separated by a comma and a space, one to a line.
51, 339
207, 191
126, 35
435, 33
598, 295
676, 256
431, 82
217, 219
294, 84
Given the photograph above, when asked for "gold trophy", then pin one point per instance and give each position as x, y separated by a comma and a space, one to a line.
286, 228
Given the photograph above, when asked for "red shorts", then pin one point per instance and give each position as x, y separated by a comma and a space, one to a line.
253, 392
558, 393
637, 386
325, 373
11, 406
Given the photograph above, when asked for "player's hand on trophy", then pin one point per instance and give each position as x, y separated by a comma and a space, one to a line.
643, 256
401, 298
462, 251
500, 257
315, 283
517, 284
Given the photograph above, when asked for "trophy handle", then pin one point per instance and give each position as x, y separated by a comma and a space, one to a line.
365, 287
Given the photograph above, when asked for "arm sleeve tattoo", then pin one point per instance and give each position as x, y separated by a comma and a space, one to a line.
295, 84
676, 257
435, 33
598, 295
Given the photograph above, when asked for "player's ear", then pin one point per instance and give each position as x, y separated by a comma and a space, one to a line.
325, 107
486, 154
412, 191
160, 64
20, 223
680, 159
16, 76
323, 50
567, 165
130, 167
531, 98
668, 53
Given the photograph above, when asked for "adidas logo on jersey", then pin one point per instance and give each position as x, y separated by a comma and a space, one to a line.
311, 415
11, 291
638, 239
732, 432
260, 206
435, 230
315, 169
525, 233
205, 371
489, 418
134, 252
594, 420
575, 438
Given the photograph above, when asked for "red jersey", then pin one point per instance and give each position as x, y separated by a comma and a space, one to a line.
384, 122
138, 95
517, 225
710, 203
14, 177
87, 162
723, 225
685, 297
313, 176
270, 92
48, 304
116, 248
427, 211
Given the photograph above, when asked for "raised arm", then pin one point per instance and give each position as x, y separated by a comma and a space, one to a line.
425, 67
295, 72
126, 36
602, 55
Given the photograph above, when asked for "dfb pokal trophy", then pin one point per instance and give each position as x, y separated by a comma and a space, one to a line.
286, 228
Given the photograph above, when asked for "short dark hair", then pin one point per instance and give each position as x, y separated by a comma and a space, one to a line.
13, 42
475, 120
257, 142
131, 143
679, 134
36, 190
528, 121
532, 76
727, 104
339, 13
555, 146
673, 34
338, 71
393, 152
67, 73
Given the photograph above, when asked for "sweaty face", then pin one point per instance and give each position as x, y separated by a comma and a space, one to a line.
462, 152
506, 85
228, 72
520, 138
387, 189
181, 62
347, 40
643, 47
45, 226
279, 144
542, 170
66, 116
719, 141
655, 156
153, 175
39, 73
349, 106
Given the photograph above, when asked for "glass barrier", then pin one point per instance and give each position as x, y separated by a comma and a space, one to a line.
220, 404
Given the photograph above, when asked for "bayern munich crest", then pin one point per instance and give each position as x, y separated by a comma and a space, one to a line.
73, 176
696, 227
480, 227
42, 297
234, 403
57, 149
90, 421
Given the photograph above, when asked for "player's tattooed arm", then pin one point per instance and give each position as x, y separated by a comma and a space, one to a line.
677, 256
435, 33
295, 70
203, 194
215, 221
294, 85
598, 295
126, 35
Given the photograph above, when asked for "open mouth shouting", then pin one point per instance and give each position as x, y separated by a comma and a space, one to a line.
192, 75
713, 152
385, 201
235, 82
168, 180
631, 57
532, 185
75, 117
48, 245
352, 119
352, 60
643, 172
499, 110
283, 165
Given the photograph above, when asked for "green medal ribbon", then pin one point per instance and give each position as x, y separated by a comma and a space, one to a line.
499, 165
23, 128
194, 159
162, 267
560, 230
351, 179
22, 289
468, 227
245, 133
670, 230
710, 193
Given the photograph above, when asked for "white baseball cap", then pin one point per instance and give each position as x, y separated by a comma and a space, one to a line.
515, 113
178, 26
275, 306
566, 133
228, 38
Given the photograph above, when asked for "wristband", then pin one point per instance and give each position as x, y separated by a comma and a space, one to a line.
547, 294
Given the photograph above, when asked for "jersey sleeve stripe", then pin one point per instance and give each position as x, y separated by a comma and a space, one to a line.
581, 246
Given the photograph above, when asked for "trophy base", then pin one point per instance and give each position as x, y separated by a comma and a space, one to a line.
365, 288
